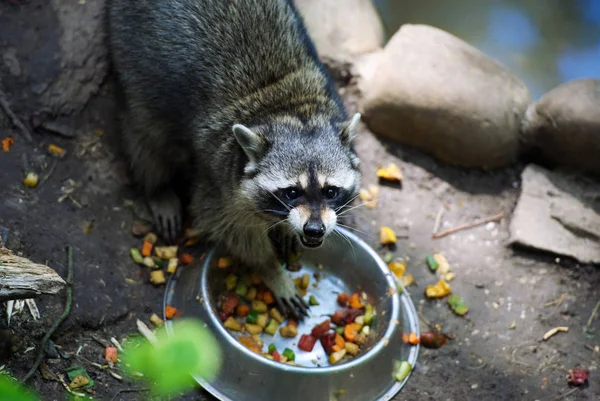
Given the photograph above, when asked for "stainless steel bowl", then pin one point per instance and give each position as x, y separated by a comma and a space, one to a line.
347, 264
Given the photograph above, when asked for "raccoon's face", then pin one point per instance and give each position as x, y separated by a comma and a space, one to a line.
304, 180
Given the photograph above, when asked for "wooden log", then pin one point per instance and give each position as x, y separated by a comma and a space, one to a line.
21, 278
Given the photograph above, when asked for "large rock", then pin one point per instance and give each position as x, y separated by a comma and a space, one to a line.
563, 127
341, 29
555, 213
430, 90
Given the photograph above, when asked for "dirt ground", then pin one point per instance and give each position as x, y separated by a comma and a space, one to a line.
498, 352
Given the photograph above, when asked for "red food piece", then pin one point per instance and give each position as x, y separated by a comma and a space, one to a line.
276, 356
321, 329
223, 316
577, 376
432, 339
328, 341
342, 317
230, 302
342, 299
307, 342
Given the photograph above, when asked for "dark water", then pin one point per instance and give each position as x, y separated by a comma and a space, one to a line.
544, 42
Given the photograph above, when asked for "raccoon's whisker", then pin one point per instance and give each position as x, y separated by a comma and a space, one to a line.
357, 230
354, 207
271, 227
280, 201
348, 241
341, 207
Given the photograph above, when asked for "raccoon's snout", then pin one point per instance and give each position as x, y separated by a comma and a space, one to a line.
314, 230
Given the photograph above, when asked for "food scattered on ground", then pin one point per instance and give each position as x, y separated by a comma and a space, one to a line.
433, 339
413, 339
407, 280
111, 355
170, 312
246, 307
147, 248
555, 330
458, 305
56, 151
7, 143
443, 265
31, 180
157, 277
577, 376
387, 236
401, 370
156, 320
79, 378
369, 196
432, 263
439, 290
390, 173
166, 252
398, 268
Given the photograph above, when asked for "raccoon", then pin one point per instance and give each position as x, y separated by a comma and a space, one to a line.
231, 95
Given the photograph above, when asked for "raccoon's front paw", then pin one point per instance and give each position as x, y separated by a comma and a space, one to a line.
166, 211
287, 246
288, 299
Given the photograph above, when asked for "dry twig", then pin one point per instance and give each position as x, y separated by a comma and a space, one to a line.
13, 118
475, 223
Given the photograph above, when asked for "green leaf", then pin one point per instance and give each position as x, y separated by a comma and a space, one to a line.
457, 304
170, 364
11, 390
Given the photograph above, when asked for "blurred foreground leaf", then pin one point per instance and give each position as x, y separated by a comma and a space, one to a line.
11, 390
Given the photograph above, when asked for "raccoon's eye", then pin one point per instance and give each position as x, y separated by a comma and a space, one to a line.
292, 193
331, 192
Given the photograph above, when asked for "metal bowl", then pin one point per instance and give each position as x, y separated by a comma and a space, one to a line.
346, 263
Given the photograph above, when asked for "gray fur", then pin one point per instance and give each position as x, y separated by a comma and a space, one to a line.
232, 90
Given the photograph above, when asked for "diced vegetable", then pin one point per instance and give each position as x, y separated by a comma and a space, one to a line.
172, 265
136, 255
225, 262
272, 348
259, 306
439, 290
158, 262
148, 262
313, 301
360, 320
155, 320
288, 331
241, 289
458, 304
340, 330
368, 314
355, 301
337, 356
431, 339
339, 343
250, 343
342, 299
242, 310
231, 282
272, 327
292, 322
253, 328
289, 354
387, 236
390, 173
147, 248
157, 277
360, 339
432, 263
401, 370
413, 339
275, 314
398, 268
305, 281
345, 316
186, 258
351, 348
268, 298
388, 257
151, 238
328, 341
56, 150
232, 324
252, 317
7, 143
407, 280
307, 342
321, 328
262, 320
444, 267
350, 331
166, 252
276, 356
230, 301
170, 312
110, 355
365, 330
251, 294
31, 180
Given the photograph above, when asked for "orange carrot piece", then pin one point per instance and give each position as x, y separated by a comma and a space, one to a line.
170, 312
355, 301
7, 143
339, 341
242, 310
56, 150
292, 322
268, 298
147, 248
186, 258
350, 331
413, 339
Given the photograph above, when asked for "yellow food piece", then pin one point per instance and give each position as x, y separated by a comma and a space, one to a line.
337, 356
157, 277
148, 262
275, 314
56, 150
365, 195
387, 236
407, 280
390, 173
374, 190
79, 381
232, 324
398, 268
31, 180
251, 294
172, 266
259, 306
166, 252
449, 276
288, 331
305, 281
443, 266
351, 348
253, 328
155, 320
151, 238
439, 290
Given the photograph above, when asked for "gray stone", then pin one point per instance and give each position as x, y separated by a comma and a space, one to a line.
563, 127
432, 91
553, 214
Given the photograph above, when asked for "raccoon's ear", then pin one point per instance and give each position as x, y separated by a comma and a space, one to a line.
252, 143
349, 130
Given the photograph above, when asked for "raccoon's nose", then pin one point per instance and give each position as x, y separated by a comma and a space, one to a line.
314, 229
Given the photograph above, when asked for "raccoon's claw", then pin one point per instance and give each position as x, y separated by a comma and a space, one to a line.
290, 306
288, 299
166, 211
